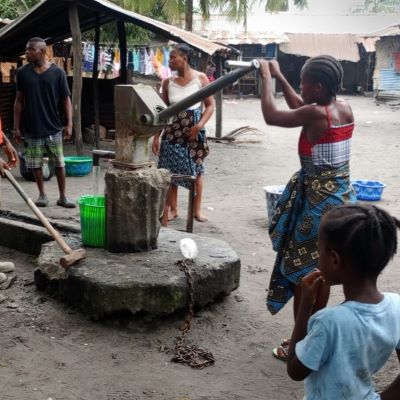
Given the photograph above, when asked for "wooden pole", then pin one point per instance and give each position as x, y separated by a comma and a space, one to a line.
218, 101
123, 50
96, 84
77, 82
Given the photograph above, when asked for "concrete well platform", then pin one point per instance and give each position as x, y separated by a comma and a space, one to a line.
106, 283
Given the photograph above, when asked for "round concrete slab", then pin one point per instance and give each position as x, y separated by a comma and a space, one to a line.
106, 283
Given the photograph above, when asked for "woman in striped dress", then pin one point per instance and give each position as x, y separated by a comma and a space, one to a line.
323, 181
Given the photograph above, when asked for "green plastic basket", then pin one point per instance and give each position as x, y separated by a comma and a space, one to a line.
93, 220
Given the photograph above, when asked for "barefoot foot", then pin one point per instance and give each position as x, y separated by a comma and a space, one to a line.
200, 218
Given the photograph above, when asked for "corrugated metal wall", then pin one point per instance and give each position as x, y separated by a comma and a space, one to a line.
385, 47
389, 80
7, 97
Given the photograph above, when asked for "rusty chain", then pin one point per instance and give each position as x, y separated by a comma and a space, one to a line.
192, 355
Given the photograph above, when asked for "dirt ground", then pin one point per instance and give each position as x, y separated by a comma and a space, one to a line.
49, 351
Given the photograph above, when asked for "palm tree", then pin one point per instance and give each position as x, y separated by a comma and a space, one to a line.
283, 5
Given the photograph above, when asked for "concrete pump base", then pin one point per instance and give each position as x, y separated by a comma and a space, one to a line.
151, 282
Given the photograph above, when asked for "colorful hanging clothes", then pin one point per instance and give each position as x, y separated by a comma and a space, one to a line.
166, 52
322, 183
136, 60
148, 61
159, 55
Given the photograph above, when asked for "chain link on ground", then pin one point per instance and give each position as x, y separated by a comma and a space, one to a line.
192, 355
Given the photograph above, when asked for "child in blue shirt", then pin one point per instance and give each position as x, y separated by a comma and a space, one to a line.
338, 349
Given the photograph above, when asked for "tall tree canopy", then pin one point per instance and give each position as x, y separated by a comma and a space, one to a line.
12, 8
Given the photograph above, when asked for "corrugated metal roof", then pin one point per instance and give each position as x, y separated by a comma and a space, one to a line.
369, 43
341, 46
231, 37
4, 21
49, 19
392, 30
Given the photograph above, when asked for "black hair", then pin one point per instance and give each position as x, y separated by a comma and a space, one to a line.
37, 40
365, 234
325, 70
186, 50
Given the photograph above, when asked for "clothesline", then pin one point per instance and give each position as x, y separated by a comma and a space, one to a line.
146, 60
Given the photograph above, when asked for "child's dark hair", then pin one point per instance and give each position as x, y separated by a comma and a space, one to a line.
365, 234
326, 70
185, 50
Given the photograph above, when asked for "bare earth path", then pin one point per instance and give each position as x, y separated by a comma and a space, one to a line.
50, 351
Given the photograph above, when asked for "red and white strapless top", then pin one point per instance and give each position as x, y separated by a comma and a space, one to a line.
332, 150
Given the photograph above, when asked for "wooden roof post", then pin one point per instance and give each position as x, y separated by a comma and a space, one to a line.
218, 100
77, 79
123, 51
96, 83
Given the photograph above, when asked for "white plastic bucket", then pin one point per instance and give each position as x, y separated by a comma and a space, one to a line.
272, 195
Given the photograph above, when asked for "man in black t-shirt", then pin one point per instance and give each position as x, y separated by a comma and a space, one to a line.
41, 86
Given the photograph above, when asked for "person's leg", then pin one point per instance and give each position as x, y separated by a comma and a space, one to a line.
60, 174
197, 200
173, 202
54, 147
281, 351
38, 174
33, 160
170, 202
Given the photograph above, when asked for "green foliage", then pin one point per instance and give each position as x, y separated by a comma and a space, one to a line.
379, 6
12, 8
283, 5
134, 34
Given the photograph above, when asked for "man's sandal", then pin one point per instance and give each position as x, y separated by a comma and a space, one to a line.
281, 353
42, 201
66, 203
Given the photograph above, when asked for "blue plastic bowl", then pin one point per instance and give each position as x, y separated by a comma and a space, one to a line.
368, 190
78, 166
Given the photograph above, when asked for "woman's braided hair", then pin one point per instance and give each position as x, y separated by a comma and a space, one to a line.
325, 70
365, 234
186, 50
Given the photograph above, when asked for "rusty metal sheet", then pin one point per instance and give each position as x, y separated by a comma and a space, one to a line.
369, 43
341, 46
49, 19
392, 30
232, 38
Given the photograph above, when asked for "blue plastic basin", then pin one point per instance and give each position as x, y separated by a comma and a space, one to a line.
368, 190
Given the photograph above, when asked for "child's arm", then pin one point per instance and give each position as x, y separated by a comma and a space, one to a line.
310, 286
393, 390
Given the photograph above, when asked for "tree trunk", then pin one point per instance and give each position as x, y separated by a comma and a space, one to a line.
77, 79
189, 15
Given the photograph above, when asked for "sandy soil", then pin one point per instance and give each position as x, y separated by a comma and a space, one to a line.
50, 351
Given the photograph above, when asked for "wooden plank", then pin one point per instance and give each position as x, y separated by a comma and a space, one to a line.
123, 49
77, 82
